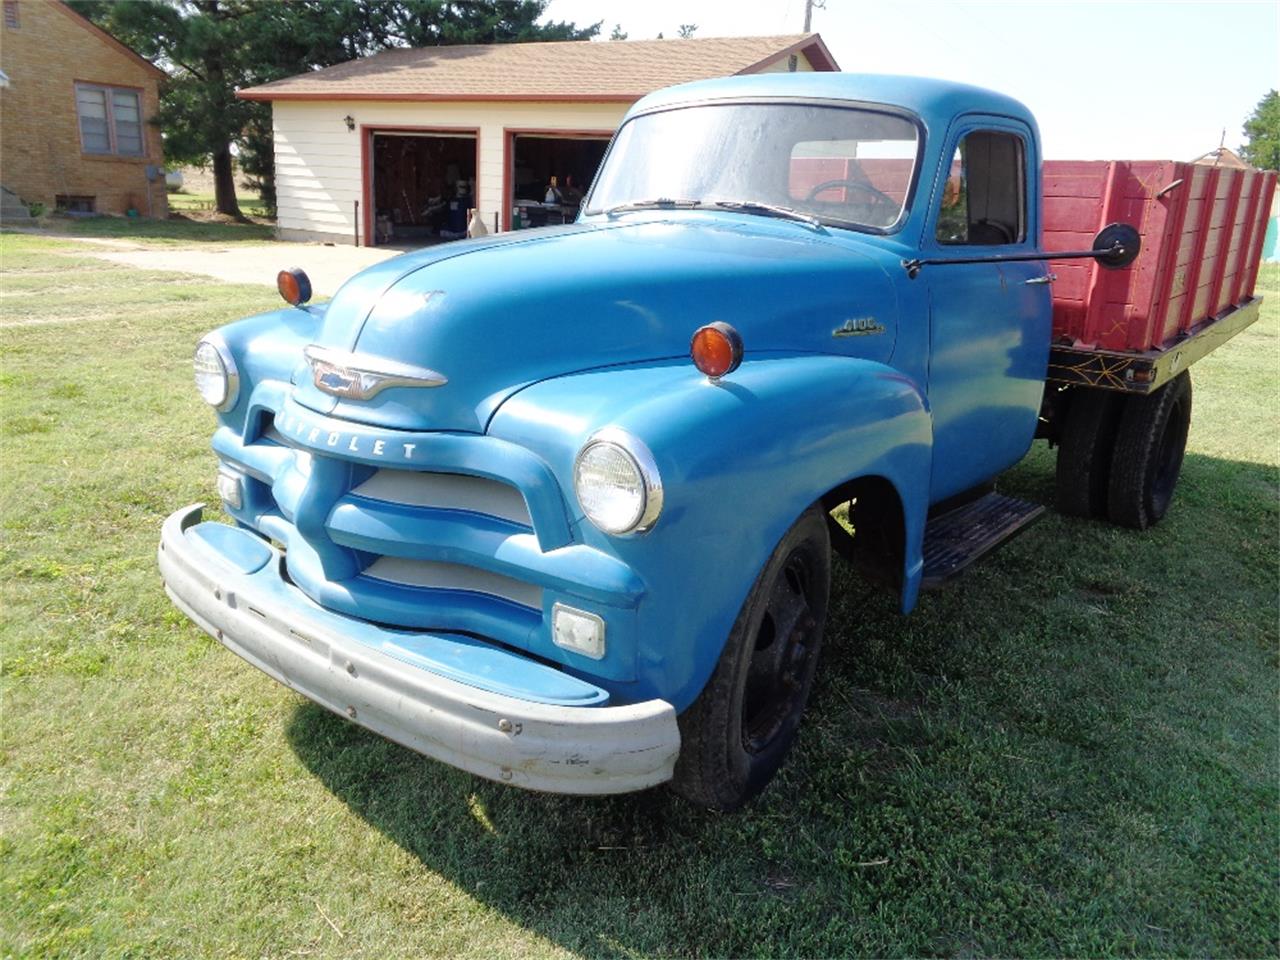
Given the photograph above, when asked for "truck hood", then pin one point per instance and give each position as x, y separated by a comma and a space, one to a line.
492, 316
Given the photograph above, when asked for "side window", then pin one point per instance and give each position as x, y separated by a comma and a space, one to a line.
984, 200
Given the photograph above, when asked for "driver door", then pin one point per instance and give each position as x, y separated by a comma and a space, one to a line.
989, 322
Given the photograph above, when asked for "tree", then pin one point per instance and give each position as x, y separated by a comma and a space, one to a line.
212, 48
1262, 129
687, 30
617, 33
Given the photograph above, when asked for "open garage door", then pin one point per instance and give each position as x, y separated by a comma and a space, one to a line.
548, 173
423, 183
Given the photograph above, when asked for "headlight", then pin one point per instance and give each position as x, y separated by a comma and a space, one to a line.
617, 483
217, 379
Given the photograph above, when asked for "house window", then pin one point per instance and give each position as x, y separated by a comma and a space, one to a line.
11, 14
74, 204
110, 120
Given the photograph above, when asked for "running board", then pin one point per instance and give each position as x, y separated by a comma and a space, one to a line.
955, 539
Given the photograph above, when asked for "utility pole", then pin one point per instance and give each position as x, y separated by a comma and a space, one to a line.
808, 22
808, 11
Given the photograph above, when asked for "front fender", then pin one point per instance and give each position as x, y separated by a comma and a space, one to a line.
740, 460
267, 348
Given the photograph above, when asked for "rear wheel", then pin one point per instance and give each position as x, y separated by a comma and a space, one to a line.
1150, 444
735, 735
1085, 452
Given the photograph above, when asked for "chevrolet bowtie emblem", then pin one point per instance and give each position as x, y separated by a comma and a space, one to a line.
358, 376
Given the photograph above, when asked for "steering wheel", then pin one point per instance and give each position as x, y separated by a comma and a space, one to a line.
880, 197
991, 233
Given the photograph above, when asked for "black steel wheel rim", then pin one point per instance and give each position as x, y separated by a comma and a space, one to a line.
782, 648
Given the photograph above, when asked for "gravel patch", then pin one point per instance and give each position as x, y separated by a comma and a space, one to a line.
328, 267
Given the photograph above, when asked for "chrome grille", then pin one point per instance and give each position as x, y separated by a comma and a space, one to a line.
447, 491
453, 576
433, 546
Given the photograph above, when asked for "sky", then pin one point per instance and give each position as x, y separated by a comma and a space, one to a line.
1106, 79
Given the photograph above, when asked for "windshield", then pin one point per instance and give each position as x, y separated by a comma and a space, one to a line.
845, 166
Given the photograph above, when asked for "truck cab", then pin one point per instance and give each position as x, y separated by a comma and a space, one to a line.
558, 507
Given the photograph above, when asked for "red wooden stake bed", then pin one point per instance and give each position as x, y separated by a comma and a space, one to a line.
1191, 287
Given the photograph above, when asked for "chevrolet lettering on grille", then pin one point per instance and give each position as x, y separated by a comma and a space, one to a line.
316, 437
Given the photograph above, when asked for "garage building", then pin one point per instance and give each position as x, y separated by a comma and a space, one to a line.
398, 147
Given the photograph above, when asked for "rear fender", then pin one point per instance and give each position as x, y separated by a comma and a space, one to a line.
740, 460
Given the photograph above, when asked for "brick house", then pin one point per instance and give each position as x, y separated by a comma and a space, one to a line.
73, 116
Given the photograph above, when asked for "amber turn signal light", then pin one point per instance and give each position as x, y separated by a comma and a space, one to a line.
716, 349
294, 285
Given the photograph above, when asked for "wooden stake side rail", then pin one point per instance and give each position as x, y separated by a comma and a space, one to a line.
1202, 230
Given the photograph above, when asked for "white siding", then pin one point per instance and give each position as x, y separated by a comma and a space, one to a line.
784, 65
318, 175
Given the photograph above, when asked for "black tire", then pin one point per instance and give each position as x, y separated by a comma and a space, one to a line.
1150, 444
735, 735
1085, 453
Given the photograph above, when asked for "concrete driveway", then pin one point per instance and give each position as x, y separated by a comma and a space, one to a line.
328, 267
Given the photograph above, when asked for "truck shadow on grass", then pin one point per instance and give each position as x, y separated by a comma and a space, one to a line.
981, 776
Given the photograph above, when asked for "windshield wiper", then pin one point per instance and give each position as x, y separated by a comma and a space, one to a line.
658, 202
770, 209
745, 206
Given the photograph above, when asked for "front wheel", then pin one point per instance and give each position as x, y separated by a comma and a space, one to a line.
735, 735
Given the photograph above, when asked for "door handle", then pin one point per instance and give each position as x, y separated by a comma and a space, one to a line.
1047, 278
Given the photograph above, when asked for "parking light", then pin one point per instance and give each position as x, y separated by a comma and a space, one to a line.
231, 488
577, 630
294, 285
716, 349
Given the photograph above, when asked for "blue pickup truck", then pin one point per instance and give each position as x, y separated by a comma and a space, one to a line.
557, 507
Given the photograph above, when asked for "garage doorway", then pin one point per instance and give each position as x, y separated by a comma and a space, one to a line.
422, 184
548, 172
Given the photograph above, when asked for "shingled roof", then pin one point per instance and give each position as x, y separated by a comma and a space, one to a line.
622, 70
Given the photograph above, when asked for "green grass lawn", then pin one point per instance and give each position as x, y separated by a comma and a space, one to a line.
182, 202
1071, 752
176, 230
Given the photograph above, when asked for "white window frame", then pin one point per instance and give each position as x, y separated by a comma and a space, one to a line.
108, 96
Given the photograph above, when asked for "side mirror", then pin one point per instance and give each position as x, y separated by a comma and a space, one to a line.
1116, 246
